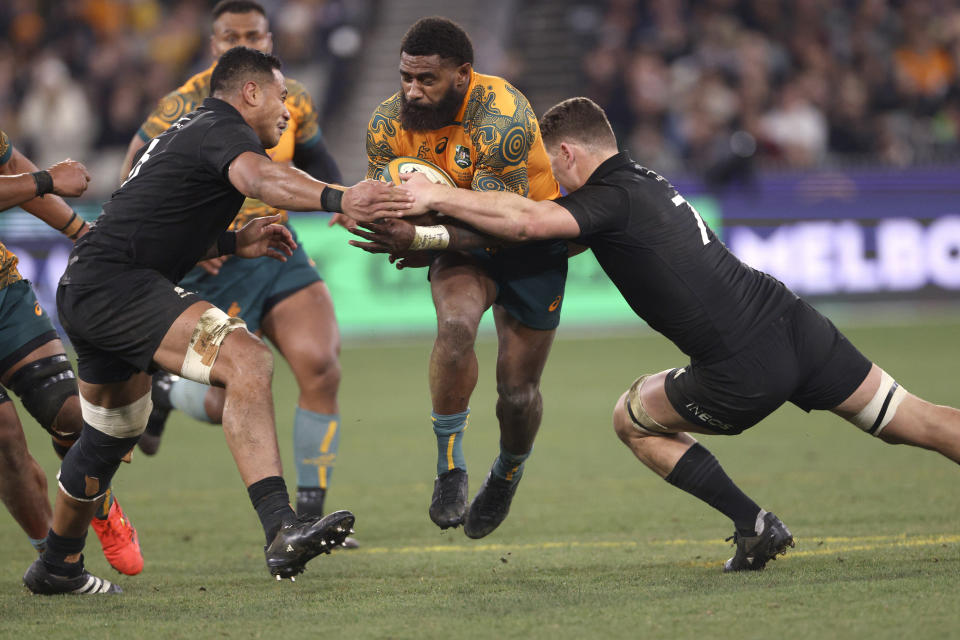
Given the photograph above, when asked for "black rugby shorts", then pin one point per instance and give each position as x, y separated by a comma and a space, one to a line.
801, 358
116, 325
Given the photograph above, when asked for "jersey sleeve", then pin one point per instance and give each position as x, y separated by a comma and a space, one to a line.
382, 140
596, 208
226, 141
304, 113
6, 149
503, 143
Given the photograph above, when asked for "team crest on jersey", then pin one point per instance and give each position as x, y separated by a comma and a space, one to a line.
462, 156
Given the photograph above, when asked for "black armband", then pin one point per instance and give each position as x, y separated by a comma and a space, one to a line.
227, 243
331, 200
44, 182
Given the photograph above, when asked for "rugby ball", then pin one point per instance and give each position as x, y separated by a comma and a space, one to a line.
408, 164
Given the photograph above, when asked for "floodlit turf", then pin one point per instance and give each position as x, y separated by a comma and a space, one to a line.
596, 545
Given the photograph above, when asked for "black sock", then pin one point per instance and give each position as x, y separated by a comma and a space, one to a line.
58, 548
310, 501
272, 502
699, 473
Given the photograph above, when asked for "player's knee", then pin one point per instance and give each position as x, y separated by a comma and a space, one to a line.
631, 419
518, 398
251, 362
323, 376
47, 388
457, 333
108, 435
622, 425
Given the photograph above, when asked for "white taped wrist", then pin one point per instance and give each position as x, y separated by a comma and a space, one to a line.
435, 237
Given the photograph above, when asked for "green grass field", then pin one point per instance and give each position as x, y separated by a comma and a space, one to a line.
596, 546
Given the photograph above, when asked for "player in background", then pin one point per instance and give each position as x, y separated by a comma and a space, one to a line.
484, 134
34, 366
753, 343
287, 302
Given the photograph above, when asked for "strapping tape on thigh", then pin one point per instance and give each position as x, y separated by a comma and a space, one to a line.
120, 422
882, 407
211, 330
641, 419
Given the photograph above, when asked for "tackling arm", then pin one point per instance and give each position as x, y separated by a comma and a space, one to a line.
499, 213
285, 187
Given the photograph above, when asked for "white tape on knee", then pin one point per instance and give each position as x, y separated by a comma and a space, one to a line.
212, 327
642, 421
119, 422
880, 410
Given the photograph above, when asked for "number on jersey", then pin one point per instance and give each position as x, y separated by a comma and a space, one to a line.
679, 200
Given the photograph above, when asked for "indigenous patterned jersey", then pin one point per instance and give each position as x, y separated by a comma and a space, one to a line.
8, 261
494, 143
303, 130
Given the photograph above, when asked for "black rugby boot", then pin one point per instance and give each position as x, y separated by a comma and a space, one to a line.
306, 537
491, 505
310, 503
753, 552
449, 502
40, 581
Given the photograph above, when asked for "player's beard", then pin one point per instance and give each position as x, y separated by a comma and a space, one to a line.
427, 117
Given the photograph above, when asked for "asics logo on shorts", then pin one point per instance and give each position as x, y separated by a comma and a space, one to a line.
556, 303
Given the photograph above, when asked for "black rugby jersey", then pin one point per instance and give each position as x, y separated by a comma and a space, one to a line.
175, 203
668, 264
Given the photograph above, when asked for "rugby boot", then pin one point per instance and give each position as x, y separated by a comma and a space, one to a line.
306, 537
118, 537
753, 552
149, 441
449, 502
491, 505
40, 581
310, 503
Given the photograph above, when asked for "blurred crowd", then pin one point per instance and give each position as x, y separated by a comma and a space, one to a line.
721, 86
716, 87
81, 75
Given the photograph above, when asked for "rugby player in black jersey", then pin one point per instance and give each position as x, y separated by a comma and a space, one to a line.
753, 344
126, 317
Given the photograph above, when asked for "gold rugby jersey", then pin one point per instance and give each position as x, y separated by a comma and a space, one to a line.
494, 144
303, 129
8, 260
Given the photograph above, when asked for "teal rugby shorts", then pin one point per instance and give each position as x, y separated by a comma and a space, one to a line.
530, 280
24, 325
248, 289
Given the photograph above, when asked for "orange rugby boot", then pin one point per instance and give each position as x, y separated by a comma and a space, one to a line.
118, 537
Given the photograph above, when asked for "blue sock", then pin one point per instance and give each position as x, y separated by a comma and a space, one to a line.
509, 466
187, 396
449, 430
40, 544
316, 439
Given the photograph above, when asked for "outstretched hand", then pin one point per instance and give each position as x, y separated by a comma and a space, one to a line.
390, 235
70, 178
264, 237
373, 199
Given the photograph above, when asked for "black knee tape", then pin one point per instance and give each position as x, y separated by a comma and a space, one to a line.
43, 386
89, 465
